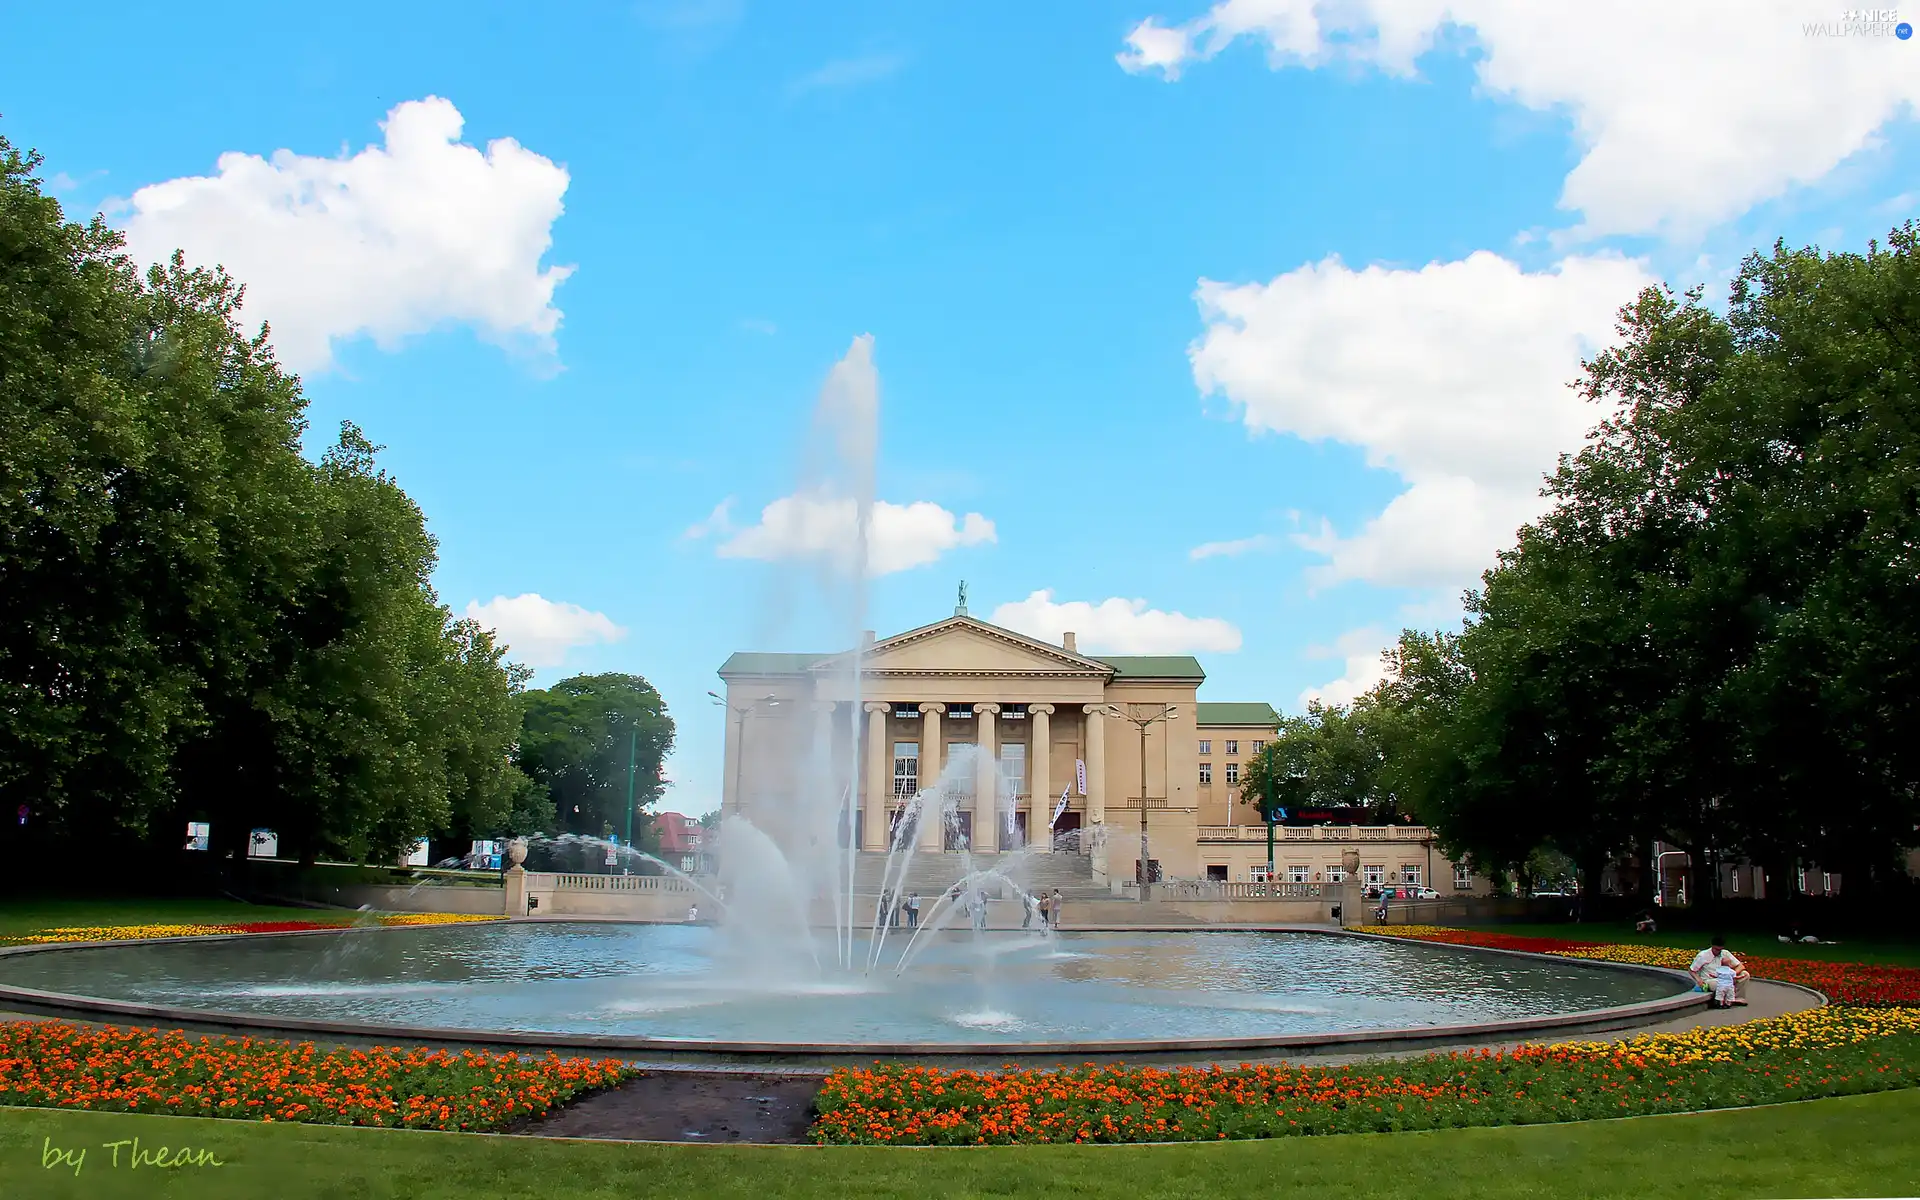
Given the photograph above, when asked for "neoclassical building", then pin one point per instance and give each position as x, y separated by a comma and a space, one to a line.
1118, 735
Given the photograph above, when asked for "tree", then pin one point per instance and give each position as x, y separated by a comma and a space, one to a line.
201, 623
580, 740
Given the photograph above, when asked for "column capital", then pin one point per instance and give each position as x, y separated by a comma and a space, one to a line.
986, 710
877, 706
1043, 710
1094, 710
825, 706
933, 706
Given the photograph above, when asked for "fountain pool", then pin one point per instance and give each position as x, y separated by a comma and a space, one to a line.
668, 985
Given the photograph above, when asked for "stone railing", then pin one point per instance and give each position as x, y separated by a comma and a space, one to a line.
543, 881
1217, 889
1315, 833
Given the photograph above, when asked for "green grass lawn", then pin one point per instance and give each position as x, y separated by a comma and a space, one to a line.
1856, 1146
1882, 951
19, 917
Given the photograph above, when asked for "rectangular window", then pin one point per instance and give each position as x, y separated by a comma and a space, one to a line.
959, 712
1206, 774
1257, 746
1206, 745
1217, 874
1374, 875
1013, 768
1410, 876
1233, 747
1296, 873
906, 768
906, 712
1462, 877
1336, 874
1233, 772
1258, 874
1013, 712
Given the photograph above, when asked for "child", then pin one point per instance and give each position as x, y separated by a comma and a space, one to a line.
1725, 981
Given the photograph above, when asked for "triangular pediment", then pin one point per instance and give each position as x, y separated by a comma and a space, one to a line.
966, 646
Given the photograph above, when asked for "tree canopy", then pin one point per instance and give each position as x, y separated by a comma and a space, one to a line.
1712, 638
202, 624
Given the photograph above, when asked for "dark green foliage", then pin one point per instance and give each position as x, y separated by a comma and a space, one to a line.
583, 736
200, 624
1713, 638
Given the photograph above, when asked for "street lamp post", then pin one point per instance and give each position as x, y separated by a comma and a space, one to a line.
1167, 712
740, 712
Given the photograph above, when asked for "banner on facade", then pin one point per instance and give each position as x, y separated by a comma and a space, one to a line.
1058, 809
1080, 775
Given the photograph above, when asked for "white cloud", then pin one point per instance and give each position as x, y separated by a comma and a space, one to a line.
719, 522
1453, 376
390, 242
1359, 649
1117, 626
539, 631
823, 527
1232, 549
848, 73
1687, 114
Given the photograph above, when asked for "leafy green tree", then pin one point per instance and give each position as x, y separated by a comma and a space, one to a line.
581, 738
201, 623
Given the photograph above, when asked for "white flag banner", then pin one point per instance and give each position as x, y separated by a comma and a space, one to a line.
1080, 775
1060, 808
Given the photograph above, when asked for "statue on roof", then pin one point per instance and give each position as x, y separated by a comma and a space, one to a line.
960, 606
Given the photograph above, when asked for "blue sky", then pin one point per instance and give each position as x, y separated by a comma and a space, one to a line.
1243, 328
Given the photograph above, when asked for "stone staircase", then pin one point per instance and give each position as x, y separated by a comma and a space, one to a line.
932, 873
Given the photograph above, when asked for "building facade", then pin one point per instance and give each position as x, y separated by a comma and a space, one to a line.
1113, 743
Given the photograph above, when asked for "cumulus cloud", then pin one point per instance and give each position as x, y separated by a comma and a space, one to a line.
1453, 376
390, 242
719, 522
823, 527
1232, 549
1359, 650
1117, 626
538, 631
1769, 101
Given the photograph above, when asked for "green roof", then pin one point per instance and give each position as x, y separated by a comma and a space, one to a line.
1152, 666
751, 662
1236, 714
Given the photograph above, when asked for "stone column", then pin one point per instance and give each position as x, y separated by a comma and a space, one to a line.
932, 824
986, 780
1096, 764
873, 826
1040, 787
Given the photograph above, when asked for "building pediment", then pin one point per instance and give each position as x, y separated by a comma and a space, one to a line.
965, 646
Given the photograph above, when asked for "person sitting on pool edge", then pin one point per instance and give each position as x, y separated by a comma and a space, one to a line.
1719, 974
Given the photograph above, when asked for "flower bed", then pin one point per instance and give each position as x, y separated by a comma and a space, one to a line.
51, 1064
1856, 984
1821, 1052
119, 933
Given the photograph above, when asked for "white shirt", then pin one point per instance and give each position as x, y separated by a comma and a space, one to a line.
1707, 959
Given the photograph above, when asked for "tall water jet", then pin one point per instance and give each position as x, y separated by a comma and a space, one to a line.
810, 815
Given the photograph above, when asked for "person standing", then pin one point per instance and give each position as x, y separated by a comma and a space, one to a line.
913, 910
1053, 904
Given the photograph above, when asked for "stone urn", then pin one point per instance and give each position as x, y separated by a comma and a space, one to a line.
517, 851
1350, 862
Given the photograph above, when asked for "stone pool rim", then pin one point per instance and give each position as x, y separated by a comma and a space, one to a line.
680, 1051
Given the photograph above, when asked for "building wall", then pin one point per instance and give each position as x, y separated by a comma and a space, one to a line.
1219, 800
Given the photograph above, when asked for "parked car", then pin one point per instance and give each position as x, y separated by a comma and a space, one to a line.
1426, 894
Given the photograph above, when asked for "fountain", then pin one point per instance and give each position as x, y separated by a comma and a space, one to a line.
795, 966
